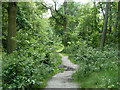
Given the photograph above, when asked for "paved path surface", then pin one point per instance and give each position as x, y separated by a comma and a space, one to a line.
63, 80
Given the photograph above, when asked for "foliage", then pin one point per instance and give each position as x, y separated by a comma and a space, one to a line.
38, 38
24, 71
102, 65
35, 59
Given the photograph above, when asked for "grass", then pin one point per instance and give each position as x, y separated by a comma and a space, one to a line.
72, 60
60, 59
57, 48
101, 79
64, 54
97, 79
70, 57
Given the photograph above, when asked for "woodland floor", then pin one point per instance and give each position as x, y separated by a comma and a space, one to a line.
64, 79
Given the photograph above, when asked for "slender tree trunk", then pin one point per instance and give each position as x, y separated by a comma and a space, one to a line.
116, 24
11, 44
110, 24
119, 39
95, 13
105, 25
65, 5
119, 25
0, 35
117, 18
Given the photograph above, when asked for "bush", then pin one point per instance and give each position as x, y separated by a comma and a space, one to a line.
30, 70
104, 63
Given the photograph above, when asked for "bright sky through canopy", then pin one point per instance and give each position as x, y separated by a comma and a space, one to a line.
82, 1
60, 2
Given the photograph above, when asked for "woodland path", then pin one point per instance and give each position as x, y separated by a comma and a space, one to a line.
64, 79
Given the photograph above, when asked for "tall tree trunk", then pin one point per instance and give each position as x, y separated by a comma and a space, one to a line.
119, 26
95, 13
110, 24
116, 24
11, 44
105, 25
1, 27
65, 6
118, 39
117, 18
1, 44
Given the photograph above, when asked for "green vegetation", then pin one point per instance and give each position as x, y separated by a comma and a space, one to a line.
87, 33
23, 71
97, 68
34, 59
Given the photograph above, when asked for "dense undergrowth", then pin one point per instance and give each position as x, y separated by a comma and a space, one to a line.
33, 62
34, 59
29, 68
97, 68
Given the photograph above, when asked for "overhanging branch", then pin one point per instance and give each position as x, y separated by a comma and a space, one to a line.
52, 13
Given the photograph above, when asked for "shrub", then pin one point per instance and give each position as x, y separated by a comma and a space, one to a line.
90, 60
30, 70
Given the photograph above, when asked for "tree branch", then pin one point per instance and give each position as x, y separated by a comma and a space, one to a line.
57, 10
102, 9
52, 13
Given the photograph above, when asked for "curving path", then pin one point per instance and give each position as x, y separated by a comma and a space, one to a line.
63, 80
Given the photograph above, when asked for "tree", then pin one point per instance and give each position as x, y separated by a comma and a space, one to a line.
12, 9
105, 25
119, 35
110, 20
95, 13
60, 18
116, 24
0, 29
119, 25
65, 23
